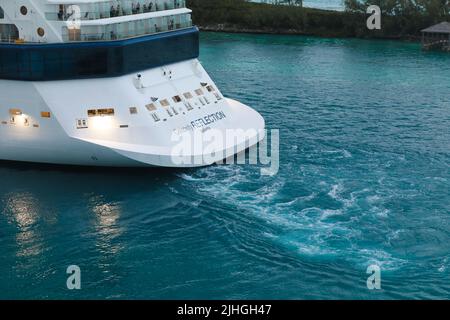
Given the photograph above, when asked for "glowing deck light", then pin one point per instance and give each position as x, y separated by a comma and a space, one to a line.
101, 123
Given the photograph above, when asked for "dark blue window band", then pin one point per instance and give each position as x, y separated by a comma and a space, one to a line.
83, 60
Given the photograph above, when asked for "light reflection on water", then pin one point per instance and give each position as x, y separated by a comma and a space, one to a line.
364, 178
27, 213
51, 218
22, 210
107, 230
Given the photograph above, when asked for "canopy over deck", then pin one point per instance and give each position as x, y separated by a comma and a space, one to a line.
437, 37
443, 27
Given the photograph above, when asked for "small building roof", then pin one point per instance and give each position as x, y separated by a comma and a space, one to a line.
443, 27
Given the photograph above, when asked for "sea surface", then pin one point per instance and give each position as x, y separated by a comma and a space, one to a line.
364, 180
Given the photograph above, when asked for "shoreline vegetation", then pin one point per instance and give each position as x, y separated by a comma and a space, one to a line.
399, 20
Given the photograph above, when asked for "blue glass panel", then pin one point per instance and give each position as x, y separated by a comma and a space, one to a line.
80, 60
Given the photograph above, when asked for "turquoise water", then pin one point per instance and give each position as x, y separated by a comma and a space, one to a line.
364, 179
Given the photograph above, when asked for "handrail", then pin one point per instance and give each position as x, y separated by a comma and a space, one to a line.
125, 30
97, 37
116, 10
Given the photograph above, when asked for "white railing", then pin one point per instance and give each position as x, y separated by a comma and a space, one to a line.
113, 8
8, 33
128, 29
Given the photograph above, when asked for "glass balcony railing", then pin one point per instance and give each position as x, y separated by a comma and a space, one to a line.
128, 29
114, 8
9, 33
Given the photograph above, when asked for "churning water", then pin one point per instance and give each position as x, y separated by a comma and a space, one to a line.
364, 179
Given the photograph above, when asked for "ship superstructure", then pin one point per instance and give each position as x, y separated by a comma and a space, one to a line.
109, 83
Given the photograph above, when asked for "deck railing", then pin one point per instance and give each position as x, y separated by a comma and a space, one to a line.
9, 33
127, 29
114, 8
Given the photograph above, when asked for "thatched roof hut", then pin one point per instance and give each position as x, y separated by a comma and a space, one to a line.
437, 37
443, 27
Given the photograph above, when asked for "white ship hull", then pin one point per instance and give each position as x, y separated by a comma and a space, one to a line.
129, 138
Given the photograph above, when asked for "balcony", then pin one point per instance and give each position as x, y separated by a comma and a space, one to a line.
124, 29
110, 9
9, 33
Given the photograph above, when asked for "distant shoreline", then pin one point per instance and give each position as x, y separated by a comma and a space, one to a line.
239, 16
233, 29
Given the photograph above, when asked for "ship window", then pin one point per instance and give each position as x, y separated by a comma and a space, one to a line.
151, 107
2, 13
101, 112
188, 95
82, 124
210, 88
105, 112
9, 33
176, 99
15, 112
23, 10
40, 32
133, 110
45, 114
164, 103
88, 60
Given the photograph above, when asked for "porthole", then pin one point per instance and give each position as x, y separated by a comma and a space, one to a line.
23, 10
40, 32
